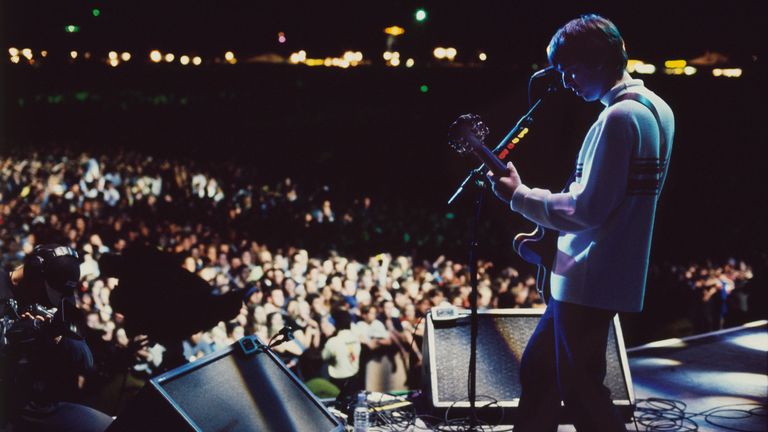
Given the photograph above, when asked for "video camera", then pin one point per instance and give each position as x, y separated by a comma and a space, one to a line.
15, 329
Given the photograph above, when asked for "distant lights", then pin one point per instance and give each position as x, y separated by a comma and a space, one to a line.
394, 30
197, 60
281, 37
125, 56
421, 15
728, 73
184, 60
114, 62
155, 56
112, 55
96, 12
229, 56
44, 53
675, 64
348, 59
638, 66
15, 59
392, 58
424, 88
482, 56
13, 51
27, 53
71, 28
689, 70
169, 57
409, 63
441, 53
73, 54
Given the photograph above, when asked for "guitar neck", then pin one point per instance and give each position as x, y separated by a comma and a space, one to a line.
490, 160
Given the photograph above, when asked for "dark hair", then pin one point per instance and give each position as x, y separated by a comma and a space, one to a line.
590, 40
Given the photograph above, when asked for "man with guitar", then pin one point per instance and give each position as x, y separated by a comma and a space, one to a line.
605, 220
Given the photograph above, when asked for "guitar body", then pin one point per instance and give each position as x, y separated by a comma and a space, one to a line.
538, 247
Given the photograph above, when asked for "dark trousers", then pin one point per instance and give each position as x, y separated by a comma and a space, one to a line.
565, 360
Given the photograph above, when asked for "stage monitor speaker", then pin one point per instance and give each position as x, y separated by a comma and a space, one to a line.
502, 337
244, 387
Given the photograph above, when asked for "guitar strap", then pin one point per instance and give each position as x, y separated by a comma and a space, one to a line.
637, 97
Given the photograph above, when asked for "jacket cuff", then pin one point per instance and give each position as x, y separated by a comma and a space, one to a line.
518, 198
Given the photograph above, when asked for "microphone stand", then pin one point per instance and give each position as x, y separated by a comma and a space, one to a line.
476, 176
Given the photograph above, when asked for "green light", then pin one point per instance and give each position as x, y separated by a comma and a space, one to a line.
424, 88
421, 15
72, 28
96, 12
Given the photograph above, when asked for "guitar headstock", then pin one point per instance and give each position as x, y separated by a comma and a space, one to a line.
467, 133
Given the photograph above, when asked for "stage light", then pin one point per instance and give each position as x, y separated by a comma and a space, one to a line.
26, 52
125, 56
387, 55
13, 51
112, 55
482, 56
114, 62
169, 57
732, 72
409, 62
421, 15
674, 64
689, 70
95, 12
184, 60
15, 59
197, 60
450, 53
439, 53
717, 72
73, 54
229, 56
155, 56
72, 28
395, 61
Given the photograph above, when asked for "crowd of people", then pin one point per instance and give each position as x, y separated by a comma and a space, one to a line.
357, 318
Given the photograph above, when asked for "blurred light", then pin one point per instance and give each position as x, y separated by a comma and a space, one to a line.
26, 52
294, 58
482, 56
450, 53
394, 30
229, 56
114, 62
169, 57
184, 60
632, 65
72, 28
15, 59
44, 53
197, 60
421, 15
675, 71
395, 61
674, 64
409, 62
13, 51
316, 62
646, 69
689, 70
155, 56
424, 88
73, 54
113, 55
302, 55
439, 52
125, 56
328, 62
281, 37
717, 72
387, 55
732, 72
95, 12
87, 55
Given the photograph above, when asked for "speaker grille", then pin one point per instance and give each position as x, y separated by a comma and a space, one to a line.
501, 341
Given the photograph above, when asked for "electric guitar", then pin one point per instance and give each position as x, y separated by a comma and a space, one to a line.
538, 247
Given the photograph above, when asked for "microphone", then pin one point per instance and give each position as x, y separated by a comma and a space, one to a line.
546, 72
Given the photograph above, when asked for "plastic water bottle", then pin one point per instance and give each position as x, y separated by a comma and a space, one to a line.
361, 413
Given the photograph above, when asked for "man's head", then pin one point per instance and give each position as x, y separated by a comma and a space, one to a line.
590, 54
51, 273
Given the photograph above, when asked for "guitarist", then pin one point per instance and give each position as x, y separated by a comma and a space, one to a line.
605, 220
